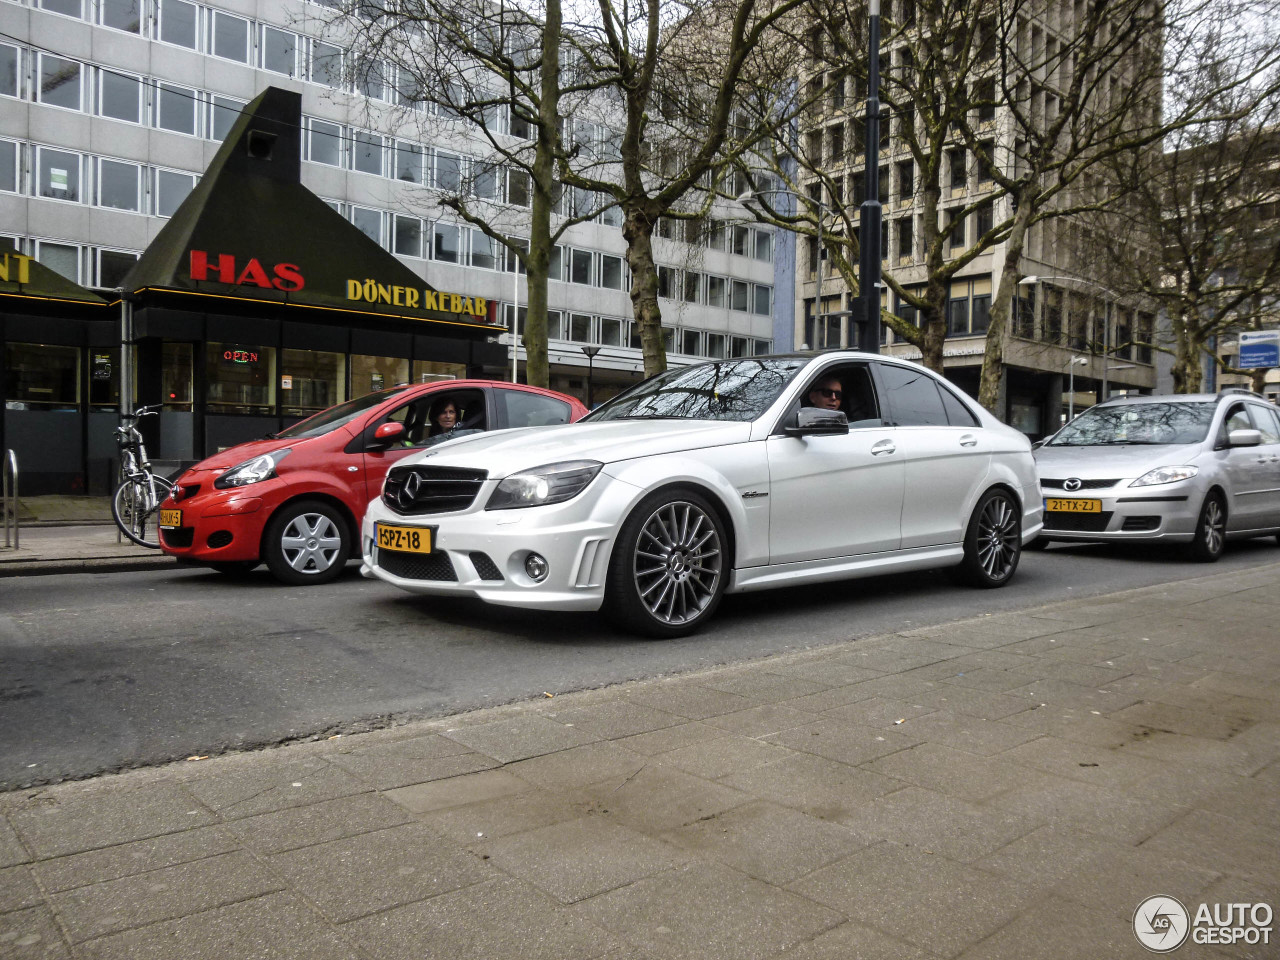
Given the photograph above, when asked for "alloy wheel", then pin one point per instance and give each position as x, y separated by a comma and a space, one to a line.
998, 536
1215, 525
677, 562
310, 543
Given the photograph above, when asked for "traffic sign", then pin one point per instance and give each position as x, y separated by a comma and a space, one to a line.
1259, 348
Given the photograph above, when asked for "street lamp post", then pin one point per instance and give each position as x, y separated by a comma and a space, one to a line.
1071, 389
591, 352
870, 212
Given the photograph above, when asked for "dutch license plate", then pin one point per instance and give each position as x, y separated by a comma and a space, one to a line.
403, 539
170, 518
1073, 506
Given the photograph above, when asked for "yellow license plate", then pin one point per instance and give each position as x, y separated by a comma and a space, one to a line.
1073, 506
403, 539
170, 518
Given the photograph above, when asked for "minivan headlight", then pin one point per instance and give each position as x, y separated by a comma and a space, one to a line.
1165, 475
261, 467
553, 483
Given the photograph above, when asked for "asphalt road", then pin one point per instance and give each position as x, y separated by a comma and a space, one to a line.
109, 671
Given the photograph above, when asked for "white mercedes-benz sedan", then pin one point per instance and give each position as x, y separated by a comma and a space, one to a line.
726, 476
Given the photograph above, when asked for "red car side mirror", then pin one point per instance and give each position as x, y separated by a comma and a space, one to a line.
387, 434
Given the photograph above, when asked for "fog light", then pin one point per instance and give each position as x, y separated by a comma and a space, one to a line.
536, 567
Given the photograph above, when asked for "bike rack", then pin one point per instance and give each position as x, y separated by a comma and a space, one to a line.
9, 498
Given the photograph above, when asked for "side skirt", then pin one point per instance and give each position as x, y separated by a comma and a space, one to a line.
843, 568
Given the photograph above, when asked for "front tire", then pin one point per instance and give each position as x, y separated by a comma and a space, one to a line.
134, 510
1211, 530
992, 541
668, 571
307, 542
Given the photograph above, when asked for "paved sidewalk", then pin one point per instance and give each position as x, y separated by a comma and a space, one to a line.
71, 535
1006, 787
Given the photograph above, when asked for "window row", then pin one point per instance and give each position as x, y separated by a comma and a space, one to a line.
721, 235
619, 332
57, 174
690, 286
86, 265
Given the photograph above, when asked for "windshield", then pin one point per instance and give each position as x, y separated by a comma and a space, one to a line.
334, 417
725, 390
1133, 423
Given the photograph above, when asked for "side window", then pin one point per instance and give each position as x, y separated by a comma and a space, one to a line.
1266, 421
422, 416
1237, 419
520, 409
912, 397
957, 413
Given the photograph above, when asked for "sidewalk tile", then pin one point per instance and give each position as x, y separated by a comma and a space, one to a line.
1171, 719
265, 789
1125, 876
822, 788
498, 920
166, 894
580, 858
673, 738
878, 712
329, 820
127, 859
985, 737
617, 718
356, 876
973, 703
1222, 844
762, 686
1053, 930
11, 850
275, 926
827, 670
32, 934
505, 815
406, 762
1177, 750
578, 766
1067, 694
852, 941
54, 823
1076, 724
1082, 761
659, 798
710, 912
720, 758
518, 738
761, 721
688, 699
1046, 855
929, 901
951, 771
17, 889
1091, 808
772, 843
844, 742
457, 791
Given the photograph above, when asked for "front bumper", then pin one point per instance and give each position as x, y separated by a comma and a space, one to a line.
219, 525
481, 553
1161, 512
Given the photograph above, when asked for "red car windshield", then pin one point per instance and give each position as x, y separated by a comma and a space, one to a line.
327, 420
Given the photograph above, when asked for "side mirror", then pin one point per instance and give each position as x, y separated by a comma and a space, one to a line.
1244, 438
815, 421
1039, 443
387, 434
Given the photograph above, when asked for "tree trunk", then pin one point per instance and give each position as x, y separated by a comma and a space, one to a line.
1188, 371
537, 372
1258, 379
1001, 309
637, 229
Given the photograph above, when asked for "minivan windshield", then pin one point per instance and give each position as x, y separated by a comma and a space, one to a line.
1133, 423
724, 390
326, 420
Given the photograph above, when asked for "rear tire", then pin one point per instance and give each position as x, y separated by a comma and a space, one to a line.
668, 570
992, 541
1211, 530
307, 542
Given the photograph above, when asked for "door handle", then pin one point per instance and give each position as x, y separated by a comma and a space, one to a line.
968, 440
884, 447
1264, 459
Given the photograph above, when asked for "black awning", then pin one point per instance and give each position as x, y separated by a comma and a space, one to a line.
26, 285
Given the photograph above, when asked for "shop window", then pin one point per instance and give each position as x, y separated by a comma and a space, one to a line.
104, 376
178, 23
485, 251
447, 241
310, 381
119, 185
580, 327
114, 266
59, 174
325, 143
716, 345
123, 15
59, 82
738, 292
223, 112
376, 373
175, 376
41, 377
326, 64
448, 177
8, 166
70, 8
279, 51
230, 37
408, 162
580, 266
368, 222
366, 153
10, 71
176, 109
408, 242
241, 378
715, 292
425, 371
119, 96
762, 304
611, 331
171, 189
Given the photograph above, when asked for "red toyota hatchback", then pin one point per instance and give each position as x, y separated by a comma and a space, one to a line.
295, 499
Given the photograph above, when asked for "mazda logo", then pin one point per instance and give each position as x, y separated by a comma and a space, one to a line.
1073, 484
409, 492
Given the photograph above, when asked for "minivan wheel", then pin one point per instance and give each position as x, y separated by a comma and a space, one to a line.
992, 541
306, 542
668, 571
1211, 530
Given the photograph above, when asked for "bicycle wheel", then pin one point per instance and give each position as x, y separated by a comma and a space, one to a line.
134, 510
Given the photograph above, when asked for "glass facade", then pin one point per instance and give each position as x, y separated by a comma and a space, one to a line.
241, 378
310, 381
41, 377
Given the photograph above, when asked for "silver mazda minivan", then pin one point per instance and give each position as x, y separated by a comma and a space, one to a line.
1197, 469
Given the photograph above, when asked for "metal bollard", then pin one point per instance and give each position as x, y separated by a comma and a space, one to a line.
9, 499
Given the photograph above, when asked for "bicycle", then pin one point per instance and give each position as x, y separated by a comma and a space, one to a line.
140, 492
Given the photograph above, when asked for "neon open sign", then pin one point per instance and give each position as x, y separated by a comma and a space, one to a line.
240, 356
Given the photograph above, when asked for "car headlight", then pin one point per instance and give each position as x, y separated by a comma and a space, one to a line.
553, 483
261, 467
1165, 475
